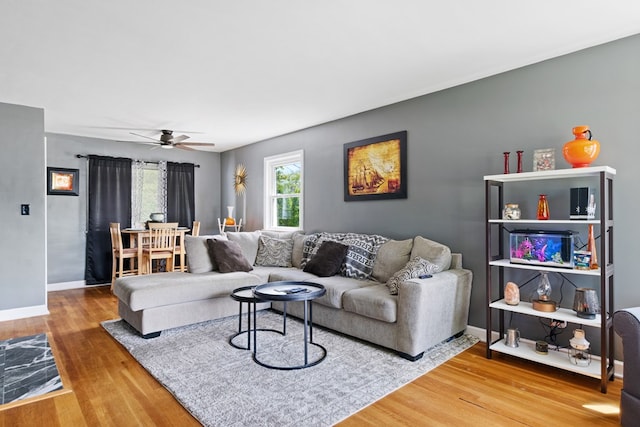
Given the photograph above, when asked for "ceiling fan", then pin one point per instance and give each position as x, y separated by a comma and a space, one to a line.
167, 140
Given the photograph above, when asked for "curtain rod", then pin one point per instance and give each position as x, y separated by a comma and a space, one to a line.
80, 156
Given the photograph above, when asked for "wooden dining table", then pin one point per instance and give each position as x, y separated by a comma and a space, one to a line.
137, 235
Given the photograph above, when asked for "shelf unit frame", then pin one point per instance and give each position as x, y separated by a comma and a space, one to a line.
496, 260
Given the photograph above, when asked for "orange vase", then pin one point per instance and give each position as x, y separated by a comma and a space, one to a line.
543, 207
583, 150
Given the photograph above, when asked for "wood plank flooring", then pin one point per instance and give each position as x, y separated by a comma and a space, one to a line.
109, 388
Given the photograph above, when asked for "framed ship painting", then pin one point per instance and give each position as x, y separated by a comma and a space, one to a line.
376, 168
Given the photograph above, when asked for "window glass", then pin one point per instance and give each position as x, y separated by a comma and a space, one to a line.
283, 191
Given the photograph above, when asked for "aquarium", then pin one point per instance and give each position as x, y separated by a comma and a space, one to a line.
537, 247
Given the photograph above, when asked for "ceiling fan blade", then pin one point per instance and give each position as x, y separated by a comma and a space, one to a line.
179, 138
202, 146
184, 147
144, 136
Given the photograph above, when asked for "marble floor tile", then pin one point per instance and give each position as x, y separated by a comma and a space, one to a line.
27, 368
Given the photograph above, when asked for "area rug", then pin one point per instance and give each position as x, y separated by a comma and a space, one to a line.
27, 368
222, 386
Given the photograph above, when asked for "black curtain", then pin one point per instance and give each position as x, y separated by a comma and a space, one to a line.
180, 193
109, 194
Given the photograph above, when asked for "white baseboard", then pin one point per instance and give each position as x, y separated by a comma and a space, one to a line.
23, 312
481, 334
78, 284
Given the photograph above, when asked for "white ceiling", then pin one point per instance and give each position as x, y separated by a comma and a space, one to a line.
235, 72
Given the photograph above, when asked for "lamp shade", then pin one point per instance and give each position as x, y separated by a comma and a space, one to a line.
585, 303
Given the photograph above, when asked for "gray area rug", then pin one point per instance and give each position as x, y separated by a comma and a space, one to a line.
222, 386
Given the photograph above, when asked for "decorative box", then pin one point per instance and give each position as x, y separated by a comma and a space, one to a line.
539, 247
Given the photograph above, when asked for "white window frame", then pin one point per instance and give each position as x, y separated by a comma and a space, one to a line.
270, 163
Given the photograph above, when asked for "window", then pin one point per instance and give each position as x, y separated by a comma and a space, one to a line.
283, 204
148, 191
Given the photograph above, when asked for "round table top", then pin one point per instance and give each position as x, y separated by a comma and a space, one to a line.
289, 291
244, 294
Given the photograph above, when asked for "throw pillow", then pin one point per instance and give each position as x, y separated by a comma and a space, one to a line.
296, 253
414, 268
328, 259
392, 256
363, 249
228, 255
248, 241
198, 258
274, 252
435, 252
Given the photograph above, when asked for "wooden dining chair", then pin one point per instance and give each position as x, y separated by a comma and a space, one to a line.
162, 245
195, 228
119, 253
180, 250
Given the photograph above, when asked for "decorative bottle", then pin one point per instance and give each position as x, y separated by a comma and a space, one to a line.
543, 207
583, 150
519, 153
230, 220
591, 247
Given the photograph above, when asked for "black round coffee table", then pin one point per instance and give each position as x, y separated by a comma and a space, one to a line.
245, 295
291, 291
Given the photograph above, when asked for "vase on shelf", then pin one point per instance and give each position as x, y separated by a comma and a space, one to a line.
543, 207
230, 220
583, 150
506, 161
519, 153
591, 247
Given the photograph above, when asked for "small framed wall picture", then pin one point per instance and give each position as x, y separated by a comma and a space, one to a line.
62, 181
544, 159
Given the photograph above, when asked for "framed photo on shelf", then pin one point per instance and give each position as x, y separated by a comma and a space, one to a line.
62, 181
544, 159
376, 168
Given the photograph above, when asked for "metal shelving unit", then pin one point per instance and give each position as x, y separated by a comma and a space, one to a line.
497, 262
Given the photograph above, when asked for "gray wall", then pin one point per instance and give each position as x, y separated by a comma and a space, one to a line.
22, 181
457, 136
67, 215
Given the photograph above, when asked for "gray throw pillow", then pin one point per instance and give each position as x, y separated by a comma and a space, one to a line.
198, 258
328, 260
414, 269
228, 255
273, 252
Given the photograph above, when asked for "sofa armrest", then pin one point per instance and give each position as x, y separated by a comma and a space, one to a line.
432, 310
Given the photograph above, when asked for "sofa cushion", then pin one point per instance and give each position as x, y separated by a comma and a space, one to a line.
414, 268
198, 258
392, 256
328, 259
296, 253
161, 289
248, 241
228, 256
435, 252
336, 286
274, 252
372, 301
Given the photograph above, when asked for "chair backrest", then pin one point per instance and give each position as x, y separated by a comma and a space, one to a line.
163, 236
195, 229
116, 237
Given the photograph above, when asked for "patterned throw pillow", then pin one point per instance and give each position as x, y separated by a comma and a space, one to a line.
274, 252
363, 249
412, 270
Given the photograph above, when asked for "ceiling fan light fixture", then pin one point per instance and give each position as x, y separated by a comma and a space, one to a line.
167, 146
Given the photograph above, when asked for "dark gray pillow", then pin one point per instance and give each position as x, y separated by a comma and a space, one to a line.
328, 260
227, 256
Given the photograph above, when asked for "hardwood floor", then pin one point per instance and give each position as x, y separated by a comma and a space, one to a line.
109, 388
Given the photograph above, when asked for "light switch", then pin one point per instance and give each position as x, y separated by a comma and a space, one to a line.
24, 209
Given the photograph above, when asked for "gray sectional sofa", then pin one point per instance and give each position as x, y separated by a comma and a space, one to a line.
359, 301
